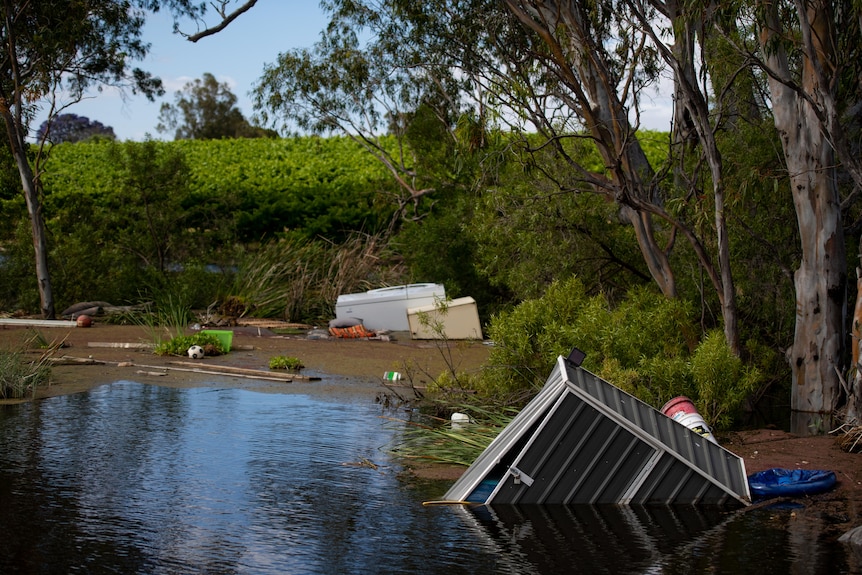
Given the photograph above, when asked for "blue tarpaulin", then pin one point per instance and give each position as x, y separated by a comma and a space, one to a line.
779, 482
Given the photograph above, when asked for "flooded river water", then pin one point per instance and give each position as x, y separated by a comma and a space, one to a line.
133, 478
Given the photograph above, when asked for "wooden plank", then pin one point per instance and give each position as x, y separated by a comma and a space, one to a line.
38, 322
231, 369
271, 324
120, 345
211, 372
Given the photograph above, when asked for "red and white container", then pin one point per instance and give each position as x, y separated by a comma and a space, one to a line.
682, 409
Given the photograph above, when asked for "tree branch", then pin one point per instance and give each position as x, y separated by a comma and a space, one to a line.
226, 20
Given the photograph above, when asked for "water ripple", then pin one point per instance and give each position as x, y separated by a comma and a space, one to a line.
131, 478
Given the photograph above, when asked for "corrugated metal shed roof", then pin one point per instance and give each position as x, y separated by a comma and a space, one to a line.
583, 440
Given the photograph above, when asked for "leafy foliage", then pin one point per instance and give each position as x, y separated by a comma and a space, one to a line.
54, 51
646, 345
300, 280
248, 190
124, 241
528, 339
142, 218
147, 206
723, 382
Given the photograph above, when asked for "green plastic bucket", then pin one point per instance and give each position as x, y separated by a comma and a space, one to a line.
225, 336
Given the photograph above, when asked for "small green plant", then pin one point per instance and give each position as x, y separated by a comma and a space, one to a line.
180, 344
285, 362
19, 377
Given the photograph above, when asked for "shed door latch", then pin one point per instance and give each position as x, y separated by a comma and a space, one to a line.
519, 477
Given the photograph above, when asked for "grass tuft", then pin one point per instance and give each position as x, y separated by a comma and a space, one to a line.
19, 377
442, 441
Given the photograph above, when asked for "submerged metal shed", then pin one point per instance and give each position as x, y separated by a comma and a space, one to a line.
583, 440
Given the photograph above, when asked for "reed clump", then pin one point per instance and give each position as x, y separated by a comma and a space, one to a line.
300, 280
19, 376
442, 440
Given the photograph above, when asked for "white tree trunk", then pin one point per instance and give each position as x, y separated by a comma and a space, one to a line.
821, 278
34, 209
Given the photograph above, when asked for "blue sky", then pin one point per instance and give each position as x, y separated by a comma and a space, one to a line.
237, 56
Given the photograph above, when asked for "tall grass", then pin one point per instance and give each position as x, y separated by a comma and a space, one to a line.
441, 441
166, 318
300, 280
20, 377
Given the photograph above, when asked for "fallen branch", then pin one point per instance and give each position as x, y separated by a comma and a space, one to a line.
69, 360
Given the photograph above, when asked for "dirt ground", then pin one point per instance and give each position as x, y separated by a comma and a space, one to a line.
354, 364
358, 366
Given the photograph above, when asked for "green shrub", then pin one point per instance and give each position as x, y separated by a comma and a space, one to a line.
656, 379
647, 324
645, 346
528, 338
637, 334
722, 381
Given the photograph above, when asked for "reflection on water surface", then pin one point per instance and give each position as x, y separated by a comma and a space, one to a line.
132, 478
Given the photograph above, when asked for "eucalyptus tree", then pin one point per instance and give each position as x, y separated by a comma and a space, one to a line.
809, 53
53, 52
205, 109
697, 118
367, 92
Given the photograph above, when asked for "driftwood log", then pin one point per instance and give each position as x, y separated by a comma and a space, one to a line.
96, 308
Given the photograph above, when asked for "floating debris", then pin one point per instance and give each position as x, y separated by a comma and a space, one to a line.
583, 440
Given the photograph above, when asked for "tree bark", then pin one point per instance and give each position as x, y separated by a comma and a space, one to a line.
854, 396
579, 62
34, 210
12, 111
820, 280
